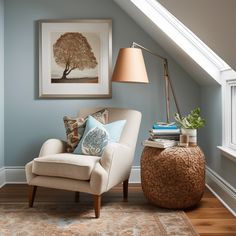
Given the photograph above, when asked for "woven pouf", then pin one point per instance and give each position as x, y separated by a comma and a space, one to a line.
173, 177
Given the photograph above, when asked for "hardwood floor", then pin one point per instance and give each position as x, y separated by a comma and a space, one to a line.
210, 217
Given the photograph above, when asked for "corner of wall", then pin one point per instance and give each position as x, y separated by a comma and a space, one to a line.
1, 84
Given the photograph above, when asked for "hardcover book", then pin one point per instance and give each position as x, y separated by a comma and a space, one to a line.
164, 131
160, 143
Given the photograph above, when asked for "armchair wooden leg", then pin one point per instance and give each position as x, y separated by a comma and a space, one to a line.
77, 196
32, 192
97, 205
125, 190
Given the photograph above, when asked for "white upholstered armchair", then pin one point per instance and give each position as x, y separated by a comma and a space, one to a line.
54, 168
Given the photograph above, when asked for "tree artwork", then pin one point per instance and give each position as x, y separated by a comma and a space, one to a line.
72, 51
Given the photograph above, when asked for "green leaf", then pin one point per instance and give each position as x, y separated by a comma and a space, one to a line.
191, 121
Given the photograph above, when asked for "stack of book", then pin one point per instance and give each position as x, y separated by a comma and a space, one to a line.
165, 131
163, 135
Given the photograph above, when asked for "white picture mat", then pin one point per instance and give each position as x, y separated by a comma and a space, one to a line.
47, 88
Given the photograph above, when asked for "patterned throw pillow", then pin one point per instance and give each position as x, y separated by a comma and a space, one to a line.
75, 127
74, 131
97, 136
101, 116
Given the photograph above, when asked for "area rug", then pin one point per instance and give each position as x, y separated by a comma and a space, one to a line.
118, 219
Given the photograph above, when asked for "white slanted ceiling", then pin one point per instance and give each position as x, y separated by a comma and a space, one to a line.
213, 21
203, 68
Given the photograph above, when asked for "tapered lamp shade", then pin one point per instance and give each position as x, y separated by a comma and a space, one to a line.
130, 67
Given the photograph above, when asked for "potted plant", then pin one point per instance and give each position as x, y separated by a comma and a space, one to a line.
189, 124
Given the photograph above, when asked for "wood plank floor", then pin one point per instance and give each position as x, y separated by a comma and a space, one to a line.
210, 217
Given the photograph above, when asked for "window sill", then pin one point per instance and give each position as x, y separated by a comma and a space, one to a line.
228, 152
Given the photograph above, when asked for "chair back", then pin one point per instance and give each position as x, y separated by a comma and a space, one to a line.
133, 119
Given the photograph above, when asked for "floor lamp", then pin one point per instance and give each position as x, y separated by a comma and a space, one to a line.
130, 68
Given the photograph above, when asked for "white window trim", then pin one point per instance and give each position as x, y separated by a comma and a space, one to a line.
228, 152
228, 80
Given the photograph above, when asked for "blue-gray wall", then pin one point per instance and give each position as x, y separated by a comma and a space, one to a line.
29, 121
211, 135
1, 83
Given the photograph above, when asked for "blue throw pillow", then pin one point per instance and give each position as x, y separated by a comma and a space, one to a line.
97, 136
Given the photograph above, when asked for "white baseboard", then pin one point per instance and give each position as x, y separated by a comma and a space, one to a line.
222, 190
15, 175
135, 175
12, 175
2, 177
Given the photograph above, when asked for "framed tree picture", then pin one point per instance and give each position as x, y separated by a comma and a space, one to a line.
75, 58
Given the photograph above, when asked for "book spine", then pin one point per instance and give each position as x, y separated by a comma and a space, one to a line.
164, 137
159, 144
164, 131
152, 144
166, 127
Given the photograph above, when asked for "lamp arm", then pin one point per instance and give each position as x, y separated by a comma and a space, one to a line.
168, 83
171, 86
147, 50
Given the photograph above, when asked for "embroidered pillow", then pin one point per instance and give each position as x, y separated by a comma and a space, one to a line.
101, 116
74, 131
97, 136
75, 127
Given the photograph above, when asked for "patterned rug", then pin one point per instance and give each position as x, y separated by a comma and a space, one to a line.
77, 219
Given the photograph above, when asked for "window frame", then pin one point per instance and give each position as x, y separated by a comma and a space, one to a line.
227, 113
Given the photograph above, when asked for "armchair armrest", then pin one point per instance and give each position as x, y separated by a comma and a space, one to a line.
98, 180
117, 160
52, 146
28, 172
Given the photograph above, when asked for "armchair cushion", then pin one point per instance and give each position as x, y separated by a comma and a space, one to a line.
65, 165
97, 136
75, 127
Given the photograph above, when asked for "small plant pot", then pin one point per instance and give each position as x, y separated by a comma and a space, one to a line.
192, 133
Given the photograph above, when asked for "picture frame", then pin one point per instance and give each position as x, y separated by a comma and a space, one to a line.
75, 58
